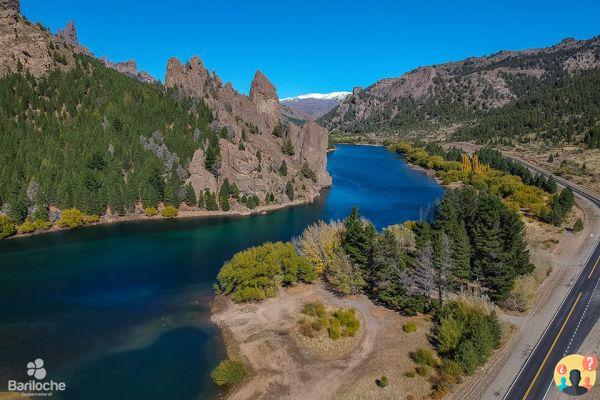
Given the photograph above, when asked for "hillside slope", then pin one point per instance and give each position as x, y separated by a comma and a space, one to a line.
81, 132
463, 94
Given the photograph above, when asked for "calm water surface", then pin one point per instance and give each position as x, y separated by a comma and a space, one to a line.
123, 311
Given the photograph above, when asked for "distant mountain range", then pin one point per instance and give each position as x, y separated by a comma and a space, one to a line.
311, 106
548, 94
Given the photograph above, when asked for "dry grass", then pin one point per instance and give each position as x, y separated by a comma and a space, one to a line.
319, 345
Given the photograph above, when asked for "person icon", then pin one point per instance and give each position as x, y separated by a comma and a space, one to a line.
587, 383
575, 389
563, 383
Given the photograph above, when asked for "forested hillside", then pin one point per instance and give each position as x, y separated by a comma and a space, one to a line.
85, 140
76, 139
548, 94
563, 109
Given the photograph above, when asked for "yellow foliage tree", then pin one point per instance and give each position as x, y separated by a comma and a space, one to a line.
320, 243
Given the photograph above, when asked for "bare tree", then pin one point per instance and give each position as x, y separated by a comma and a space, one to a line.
422, 280
444, 267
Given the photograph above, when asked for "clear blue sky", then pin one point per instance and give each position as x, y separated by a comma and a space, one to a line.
314, 46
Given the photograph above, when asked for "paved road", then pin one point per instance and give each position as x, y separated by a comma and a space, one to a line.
567, 330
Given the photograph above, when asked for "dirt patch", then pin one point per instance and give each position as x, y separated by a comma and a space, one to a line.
284, 366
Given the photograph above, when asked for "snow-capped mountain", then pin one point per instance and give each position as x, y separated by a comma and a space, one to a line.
311, 106
320, 96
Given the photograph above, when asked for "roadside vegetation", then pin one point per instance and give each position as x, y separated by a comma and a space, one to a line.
487, 170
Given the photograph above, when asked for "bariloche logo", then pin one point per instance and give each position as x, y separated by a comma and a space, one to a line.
36, 387
36, 369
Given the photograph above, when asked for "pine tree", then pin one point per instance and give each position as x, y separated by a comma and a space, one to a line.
200, 201
211, 201
358, 240
224, 195
461, 252
283, 171
488, 248
289, 190
190, 196
171, 197
443, 266
288, 148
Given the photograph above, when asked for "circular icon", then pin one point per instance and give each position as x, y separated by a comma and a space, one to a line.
575, 374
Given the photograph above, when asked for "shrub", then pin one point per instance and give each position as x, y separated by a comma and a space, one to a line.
150, 211
467, 333
424, 357
7, 228
452, 369
306, 329
71, 218
410, 327
41, 225
348, 322
422, 370
90, 219
334, 329
578, 227
382, 382
256, 273
169, 212
410, 374
26, 227
229, 372
314, 309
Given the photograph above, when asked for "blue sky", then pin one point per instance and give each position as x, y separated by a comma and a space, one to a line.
314, 46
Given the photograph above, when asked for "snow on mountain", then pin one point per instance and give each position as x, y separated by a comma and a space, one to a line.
320, 96
311, 106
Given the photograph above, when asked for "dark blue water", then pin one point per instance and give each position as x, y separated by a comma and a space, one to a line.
123, 311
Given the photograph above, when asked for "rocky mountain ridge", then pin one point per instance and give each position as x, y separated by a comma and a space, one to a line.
448, 93
248, 148
255, 140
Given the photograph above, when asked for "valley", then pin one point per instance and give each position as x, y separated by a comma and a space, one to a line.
352, 208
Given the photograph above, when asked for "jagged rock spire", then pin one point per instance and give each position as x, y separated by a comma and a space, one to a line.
68, 35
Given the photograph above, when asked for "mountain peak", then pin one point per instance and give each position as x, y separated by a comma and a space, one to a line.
321, 96
262, 87
68, 35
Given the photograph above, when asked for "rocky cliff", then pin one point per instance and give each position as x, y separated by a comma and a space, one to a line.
451, 93
255, 140
25, 47
130, 68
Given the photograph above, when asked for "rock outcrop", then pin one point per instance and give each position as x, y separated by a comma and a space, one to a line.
11, 5
25, 47
129, 68
264, 95
68, 35
251, 153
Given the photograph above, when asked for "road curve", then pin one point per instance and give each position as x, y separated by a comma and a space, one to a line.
568, 328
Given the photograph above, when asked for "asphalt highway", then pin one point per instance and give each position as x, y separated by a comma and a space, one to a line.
569, 327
